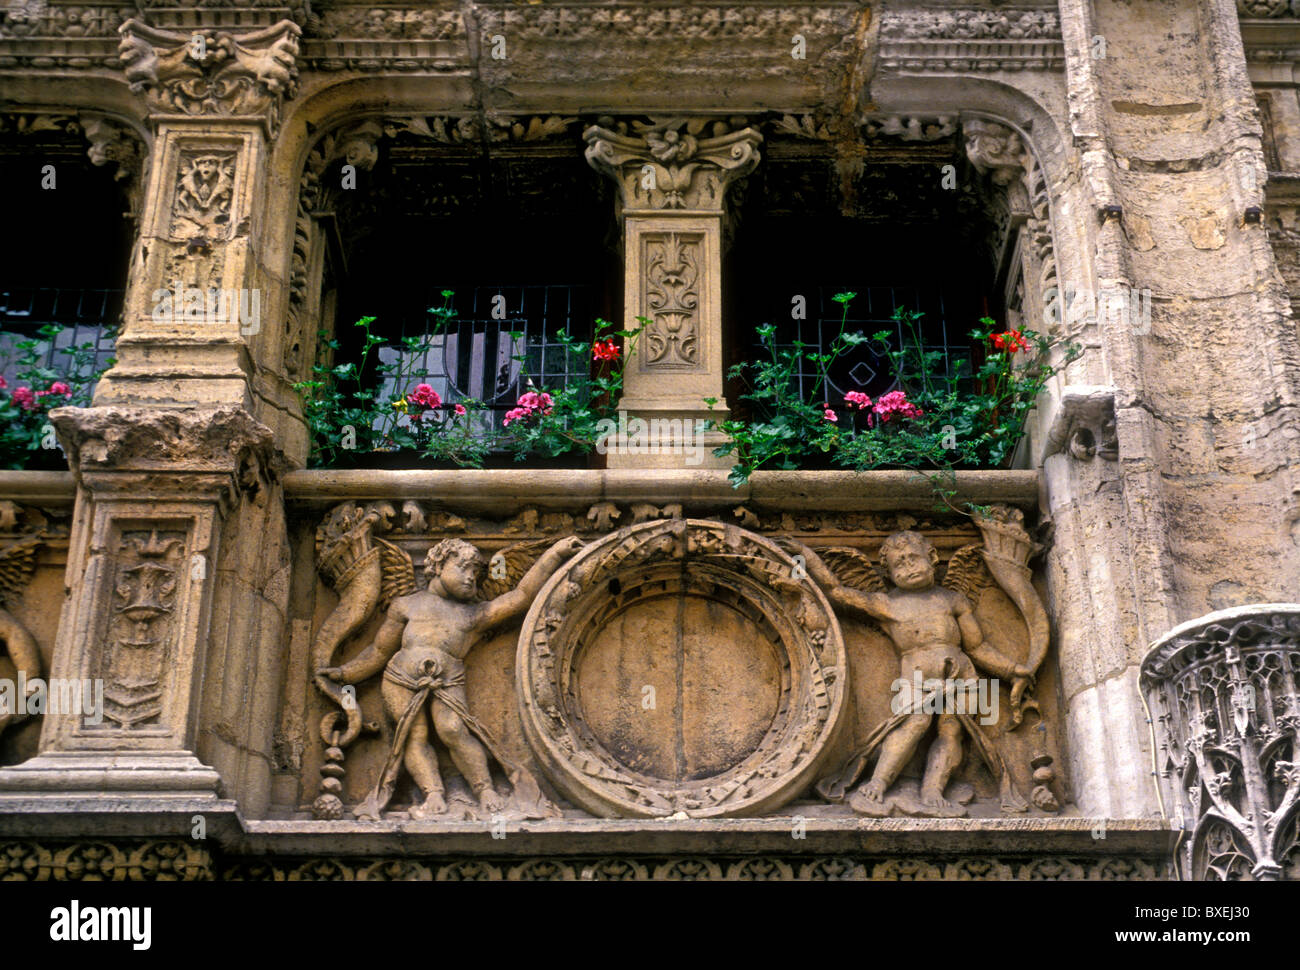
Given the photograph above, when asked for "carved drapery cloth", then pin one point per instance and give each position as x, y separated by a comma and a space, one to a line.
1224, 694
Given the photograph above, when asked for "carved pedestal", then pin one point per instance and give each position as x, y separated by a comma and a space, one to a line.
1224, 693
156, 488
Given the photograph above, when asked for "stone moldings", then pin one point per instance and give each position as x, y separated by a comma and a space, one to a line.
1224, 693
589, 640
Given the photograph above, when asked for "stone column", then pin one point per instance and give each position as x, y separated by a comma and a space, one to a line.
1224, 694
157, 489
178, 562
193, 318
672, 178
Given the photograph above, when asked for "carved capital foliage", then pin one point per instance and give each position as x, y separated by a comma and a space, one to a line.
1224, 692
224, 441
212, 73
673, 163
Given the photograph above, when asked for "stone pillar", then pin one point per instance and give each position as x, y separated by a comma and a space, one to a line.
672, 180
178, 561
192, 323
1224, 695
157, 488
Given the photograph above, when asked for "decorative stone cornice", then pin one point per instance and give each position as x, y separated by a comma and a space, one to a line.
212, 72
971, 40
1224, 695
672, 163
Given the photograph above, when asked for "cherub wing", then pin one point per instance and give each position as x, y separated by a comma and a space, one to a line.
967, 574
397, 572
17, 564
507, 566
852, 567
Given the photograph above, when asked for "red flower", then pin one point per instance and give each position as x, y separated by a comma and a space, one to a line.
604, 350
460, 409
25, 398
1012, 341
425, 396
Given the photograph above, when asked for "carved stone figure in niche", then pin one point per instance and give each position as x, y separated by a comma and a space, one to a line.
17, 563
940, 646
421, 648
203, 197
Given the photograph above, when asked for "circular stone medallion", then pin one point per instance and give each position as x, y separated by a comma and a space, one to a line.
680, 666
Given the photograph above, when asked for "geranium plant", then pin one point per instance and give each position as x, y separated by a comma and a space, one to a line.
935, 420
25, 430
575, 417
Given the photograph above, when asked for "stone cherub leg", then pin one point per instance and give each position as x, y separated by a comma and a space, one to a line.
421, 648
937, 637
17, 564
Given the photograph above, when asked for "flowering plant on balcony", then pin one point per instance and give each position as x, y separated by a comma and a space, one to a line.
936, 419
26, 435
576, 417
348, 411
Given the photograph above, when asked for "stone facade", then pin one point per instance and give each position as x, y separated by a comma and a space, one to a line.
637, 671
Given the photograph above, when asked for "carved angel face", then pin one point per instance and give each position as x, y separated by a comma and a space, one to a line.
910, 564
459, 576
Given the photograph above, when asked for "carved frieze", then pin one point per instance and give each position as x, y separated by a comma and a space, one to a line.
17, 565
929, 39
1224, 693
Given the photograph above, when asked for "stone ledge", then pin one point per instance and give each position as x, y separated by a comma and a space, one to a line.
38, 488
485, 489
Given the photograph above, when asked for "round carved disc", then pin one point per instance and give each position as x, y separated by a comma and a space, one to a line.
680, 666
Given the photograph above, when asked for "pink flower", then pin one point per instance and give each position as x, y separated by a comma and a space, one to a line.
532, 401
25, 398
858, 399
516, 414
460, 409
58, 387
896, 402
828, 414
425, 396
3, 383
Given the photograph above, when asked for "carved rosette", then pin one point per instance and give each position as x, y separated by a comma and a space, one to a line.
1224, 693
730, 570
213, 72
673, 164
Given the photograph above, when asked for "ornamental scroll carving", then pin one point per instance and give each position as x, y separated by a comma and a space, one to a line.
673, 163
589, 724
1224, 693
672, 298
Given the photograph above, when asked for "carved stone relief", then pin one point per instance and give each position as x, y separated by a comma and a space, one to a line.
1224, 692
672, 298
17, 564
201, 205
675, 666
768, 636
148, 567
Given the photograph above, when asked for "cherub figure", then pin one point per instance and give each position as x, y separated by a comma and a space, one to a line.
937, 637
204, 194
421, 648
17, 564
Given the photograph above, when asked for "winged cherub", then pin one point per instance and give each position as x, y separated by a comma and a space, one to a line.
939, 641
17, 564
421, 648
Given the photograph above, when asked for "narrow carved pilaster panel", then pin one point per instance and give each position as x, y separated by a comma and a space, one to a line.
671, 299
204, 193
148, 568
1224, 693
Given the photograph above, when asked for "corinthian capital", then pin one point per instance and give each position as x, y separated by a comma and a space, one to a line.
212, 72
672, 163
